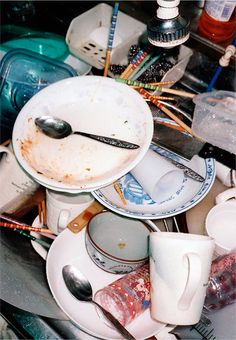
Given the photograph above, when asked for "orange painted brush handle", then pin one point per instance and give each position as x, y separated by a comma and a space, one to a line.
24, 227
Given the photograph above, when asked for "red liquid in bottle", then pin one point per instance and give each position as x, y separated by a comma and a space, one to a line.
219, 32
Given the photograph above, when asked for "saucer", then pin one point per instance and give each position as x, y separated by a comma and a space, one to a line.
140, 205
69, 248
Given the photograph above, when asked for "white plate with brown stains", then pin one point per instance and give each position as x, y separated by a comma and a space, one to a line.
93, 104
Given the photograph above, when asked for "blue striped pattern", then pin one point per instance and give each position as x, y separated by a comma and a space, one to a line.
113, 26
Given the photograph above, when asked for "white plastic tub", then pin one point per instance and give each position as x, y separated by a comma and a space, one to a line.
87, 35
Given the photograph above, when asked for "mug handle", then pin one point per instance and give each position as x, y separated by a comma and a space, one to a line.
10, 155
194, 275
63, 220
226, 195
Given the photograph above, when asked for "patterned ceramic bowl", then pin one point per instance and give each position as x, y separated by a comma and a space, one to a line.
117, 244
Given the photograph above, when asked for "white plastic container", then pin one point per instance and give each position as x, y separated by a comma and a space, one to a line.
177, 71
87, 35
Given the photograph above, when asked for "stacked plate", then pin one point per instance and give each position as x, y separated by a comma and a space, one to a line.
92, 104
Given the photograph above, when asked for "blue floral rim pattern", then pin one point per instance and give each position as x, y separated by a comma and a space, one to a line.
135, 196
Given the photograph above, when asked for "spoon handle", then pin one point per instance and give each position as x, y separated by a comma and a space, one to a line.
119, 327
108, 140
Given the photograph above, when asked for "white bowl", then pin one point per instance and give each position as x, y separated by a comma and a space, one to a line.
117, 244
94, 104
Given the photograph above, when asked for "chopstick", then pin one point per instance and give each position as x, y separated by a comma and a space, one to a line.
161, 97
25, 227
157, 88
7, 142
42, 212
134, 63
185, 114
12, 220
138, 66
128, 68
165, 82
111, 38
119, 192
33, 238
144, 56
143, 67
172, 126
166, 111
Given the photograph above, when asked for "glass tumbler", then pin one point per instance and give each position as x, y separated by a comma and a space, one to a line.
127, 297
221, 290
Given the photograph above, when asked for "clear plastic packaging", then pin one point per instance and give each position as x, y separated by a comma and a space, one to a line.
127, 297
214, 119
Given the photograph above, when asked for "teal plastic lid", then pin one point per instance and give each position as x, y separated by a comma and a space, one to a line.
47, 44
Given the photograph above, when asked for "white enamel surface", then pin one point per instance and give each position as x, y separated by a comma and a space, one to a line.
69, 248
93, 104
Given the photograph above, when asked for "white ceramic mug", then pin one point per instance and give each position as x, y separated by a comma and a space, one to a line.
63, 207
16, 185
179, 269
225, 175
158, 177
221, 222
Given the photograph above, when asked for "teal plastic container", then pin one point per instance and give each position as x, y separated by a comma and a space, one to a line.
23, 73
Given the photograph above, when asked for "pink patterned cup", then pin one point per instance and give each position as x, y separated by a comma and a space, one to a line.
127, 297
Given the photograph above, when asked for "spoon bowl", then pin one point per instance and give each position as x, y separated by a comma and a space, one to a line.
81, 289
57, 128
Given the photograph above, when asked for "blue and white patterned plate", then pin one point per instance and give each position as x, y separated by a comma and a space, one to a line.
140, 205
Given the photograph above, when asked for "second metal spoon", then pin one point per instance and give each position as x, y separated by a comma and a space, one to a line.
58, 128
81, 289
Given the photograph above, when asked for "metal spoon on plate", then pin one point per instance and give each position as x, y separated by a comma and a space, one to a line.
81, 289
57, 128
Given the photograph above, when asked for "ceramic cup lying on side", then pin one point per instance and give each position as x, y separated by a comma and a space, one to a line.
63, 207
221, 222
